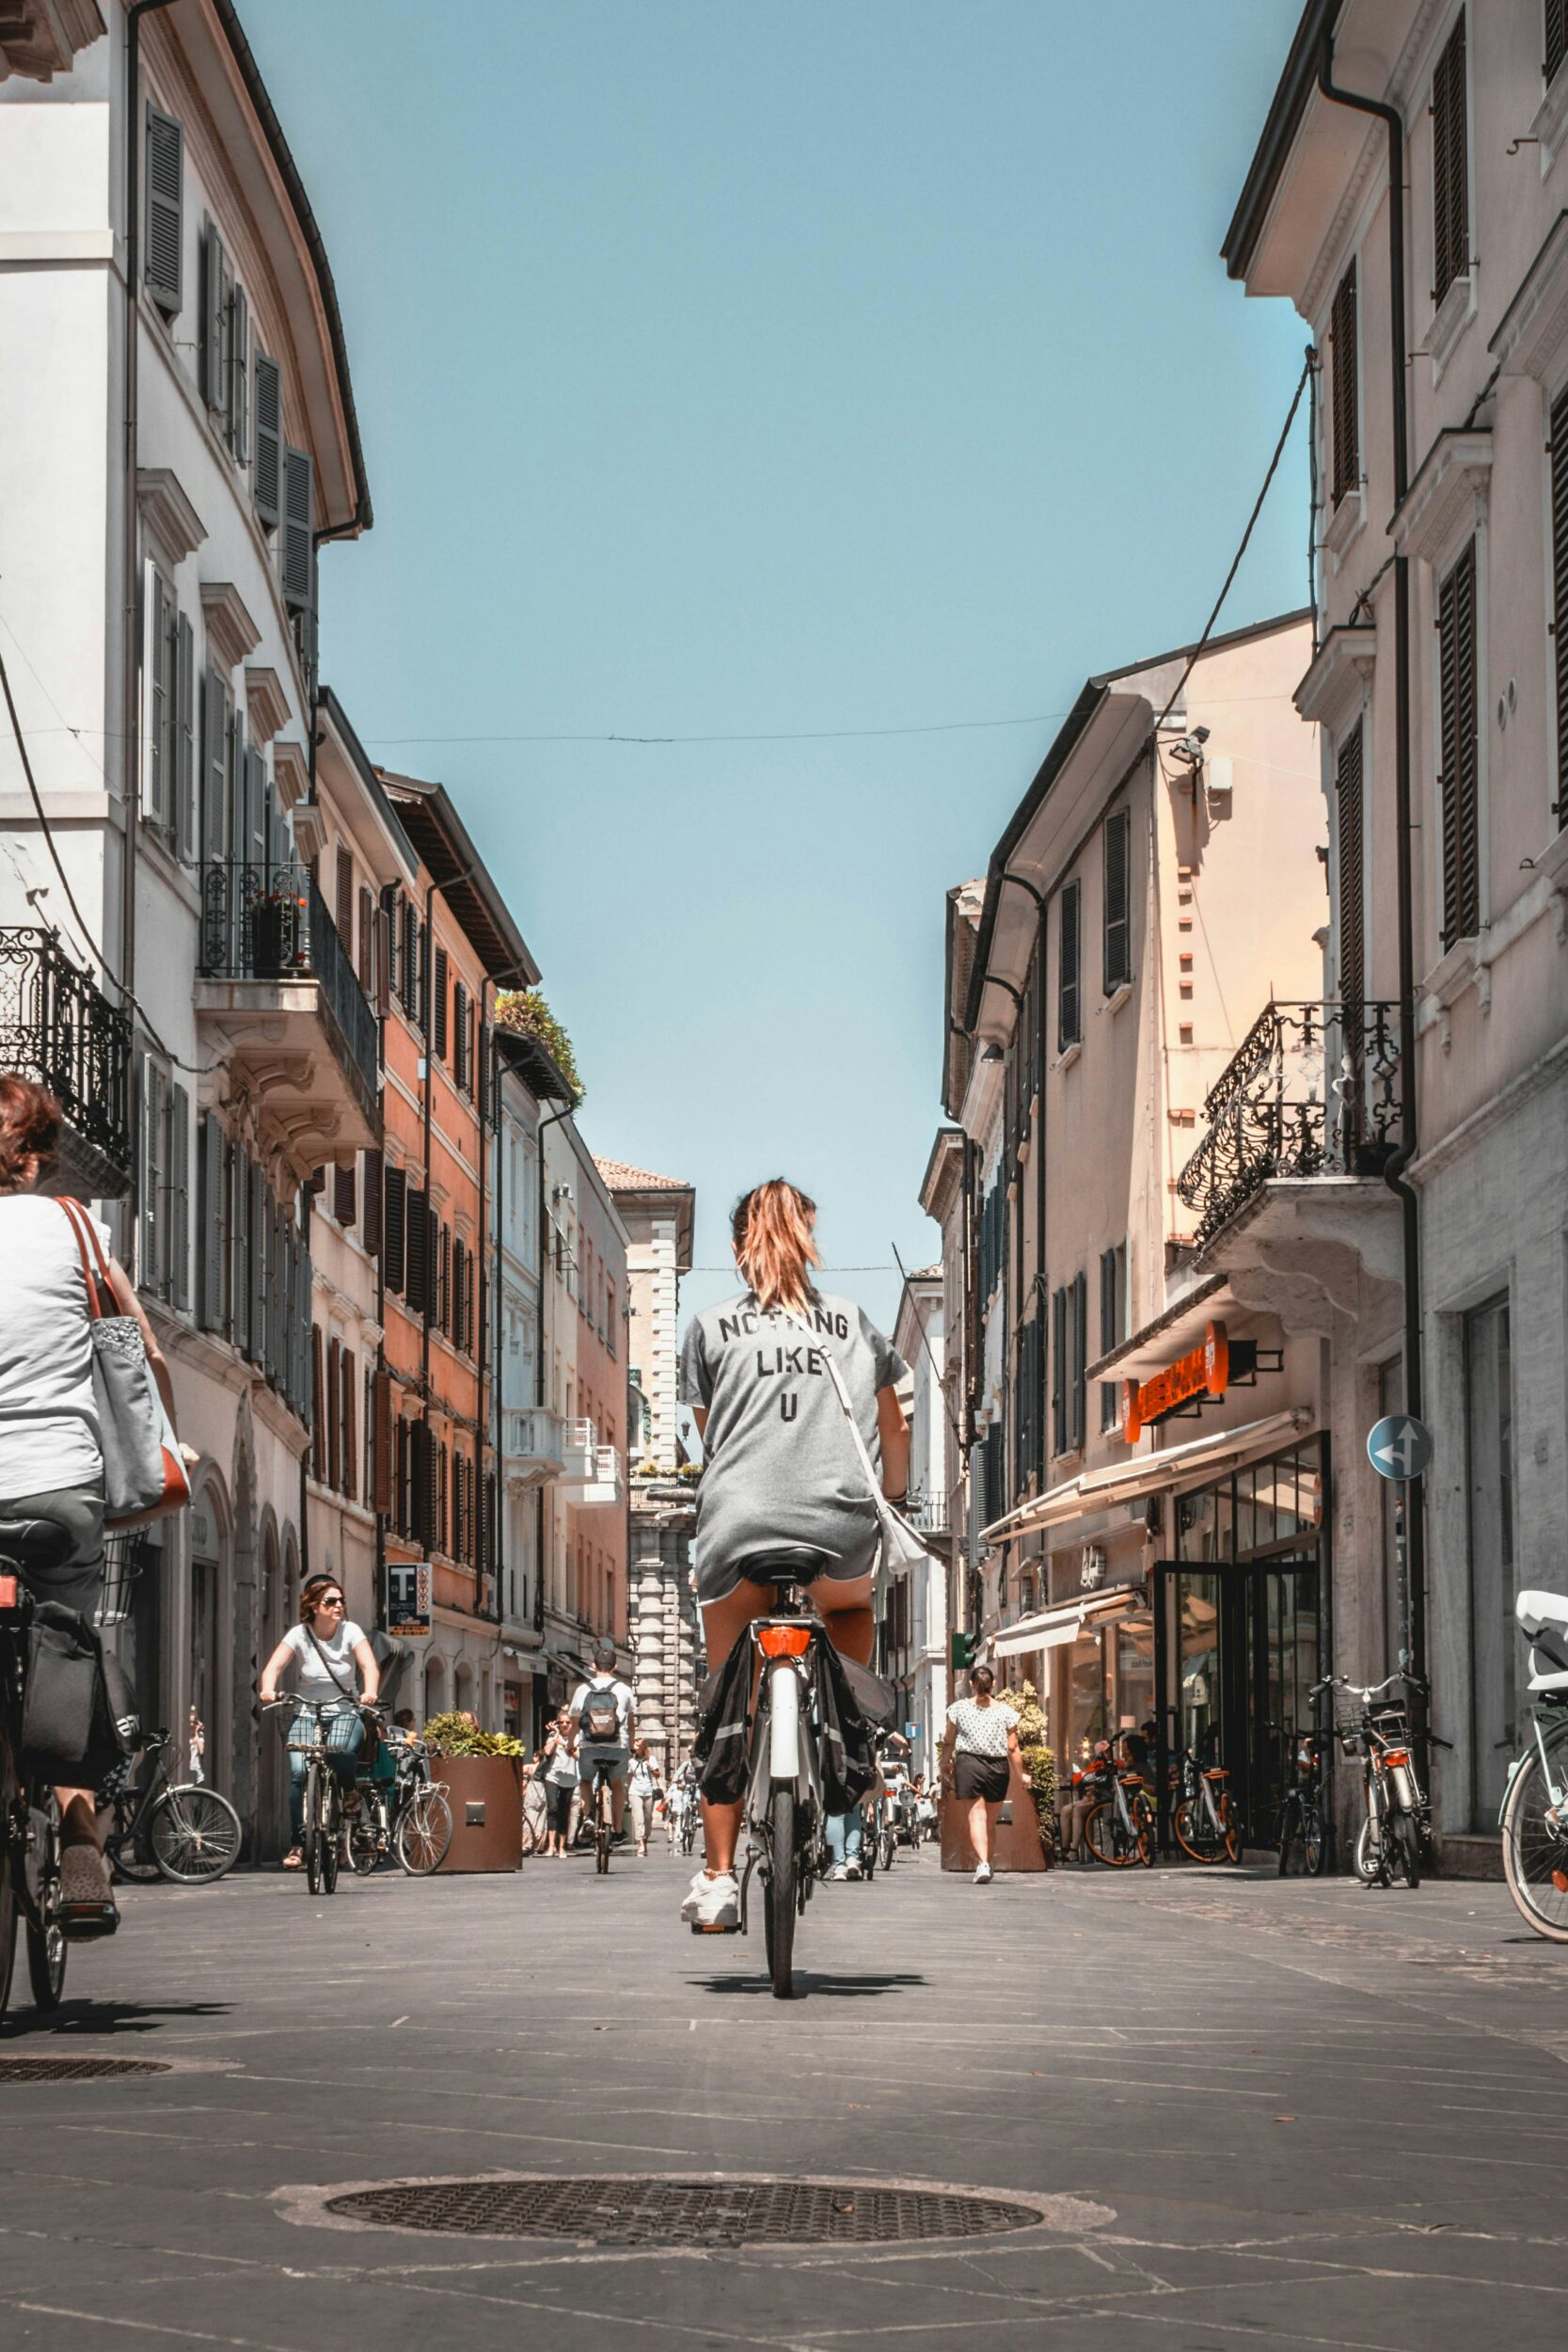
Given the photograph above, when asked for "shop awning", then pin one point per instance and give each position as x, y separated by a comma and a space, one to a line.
1148, 1474
1054, 1628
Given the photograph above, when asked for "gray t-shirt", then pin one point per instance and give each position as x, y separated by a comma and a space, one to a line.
781, 1467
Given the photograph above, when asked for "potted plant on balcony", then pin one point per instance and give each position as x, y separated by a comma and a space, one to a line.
522, 1013
482, 1772
277, 930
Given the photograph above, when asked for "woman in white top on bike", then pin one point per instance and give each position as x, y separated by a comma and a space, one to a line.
328, 1652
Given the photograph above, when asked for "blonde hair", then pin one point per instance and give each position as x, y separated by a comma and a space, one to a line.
773, 1245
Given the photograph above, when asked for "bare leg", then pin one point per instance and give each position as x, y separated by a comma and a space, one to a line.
979, 1829
78, 1818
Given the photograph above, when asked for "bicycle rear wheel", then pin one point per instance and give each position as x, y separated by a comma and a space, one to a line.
1535, 1844
1195, 1833
312, 1838
194, 1835
1403, 1850
1142, 1830
424, 1833
364, 1839
131, 1857
331, 1831
1105, 1838
46, 1944
781, 1891
1314, 1838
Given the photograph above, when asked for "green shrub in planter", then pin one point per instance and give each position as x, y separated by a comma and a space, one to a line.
1039, 1764
454, 1735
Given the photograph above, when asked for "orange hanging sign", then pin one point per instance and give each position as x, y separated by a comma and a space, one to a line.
1204, 1371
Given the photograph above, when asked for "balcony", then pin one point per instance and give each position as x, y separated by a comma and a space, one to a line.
534, 1443
1312, 1092
57, 1028
279, 997
929, 1515
594, 1475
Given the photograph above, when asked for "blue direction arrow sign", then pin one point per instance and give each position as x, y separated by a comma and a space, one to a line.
1399, 1447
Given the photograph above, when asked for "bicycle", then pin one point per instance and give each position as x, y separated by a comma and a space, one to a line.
183, 1831
1534, 1814
685, 1835
1390, 1837
29, 1810
1207, 1824
599, 1807
1301, 1813
1119, 1829
409, 1817
323, 1819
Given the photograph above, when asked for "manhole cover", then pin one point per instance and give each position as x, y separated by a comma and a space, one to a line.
74, 2070
687, 2213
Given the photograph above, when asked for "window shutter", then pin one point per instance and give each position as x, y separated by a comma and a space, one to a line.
258, 842
210, 1223
343, 906
159, 783
443, 1278
260, 1239
184, 738
298, 562
1058, 1372
369, 1222
215, 387
1344, 407
214, 766
443, 1491
342, 1196
394, 1227
179, 1195
238, 392
1450, 191
349, 1373
1350, 817
1080, 1352
165, 181
418, 1288
439, 1008
420, 1448
382, 1451
1118, 911
318, 1407
486, 1056
151, 1174
1461, 782
334, 1414
1557, 38
266, 481
461, 1050
366, 945
1559, 589
1069, 1026
487, 1524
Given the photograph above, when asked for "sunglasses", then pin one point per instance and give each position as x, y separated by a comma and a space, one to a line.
328, 1600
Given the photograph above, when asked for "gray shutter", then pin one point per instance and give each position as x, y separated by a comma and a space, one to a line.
239, 375
266, 482
212, 1221
239, 829
184, 740
260, 1236
1069, 1029
159, 783
214, 766
298, 563
257, 843
303, 1279
215, 388
1058, 1372
1117, 907
1080, 1352
166, 176
151, 1174
179, 1196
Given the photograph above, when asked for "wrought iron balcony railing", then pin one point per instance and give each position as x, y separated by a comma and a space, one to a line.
57, 1028
266, 922
1313, 1090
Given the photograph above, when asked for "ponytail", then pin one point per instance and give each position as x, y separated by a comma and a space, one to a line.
774, 1245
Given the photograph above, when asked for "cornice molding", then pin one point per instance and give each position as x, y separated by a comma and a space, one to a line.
290, 773
230, 631
1336, 685
266, 704
1534, 330
167, 516
1453, 479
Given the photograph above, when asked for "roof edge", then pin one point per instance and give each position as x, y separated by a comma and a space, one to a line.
1284, 119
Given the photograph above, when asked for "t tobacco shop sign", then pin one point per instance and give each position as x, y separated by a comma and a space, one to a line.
1199, 1377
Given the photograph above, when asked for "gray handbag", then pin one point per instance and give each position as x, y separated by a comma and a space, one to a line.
137, 1463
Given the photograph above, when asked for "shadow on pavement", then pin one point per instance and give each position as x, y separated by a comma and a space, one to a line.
807, 1981
107, 2017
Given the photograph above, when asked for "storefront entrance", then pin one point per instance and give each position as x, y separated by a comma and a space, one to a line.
1239, 1632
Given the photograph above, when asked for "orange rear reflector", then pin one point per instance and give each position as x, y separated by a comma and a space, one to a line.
9, 1592
1396, 1755
783, 1641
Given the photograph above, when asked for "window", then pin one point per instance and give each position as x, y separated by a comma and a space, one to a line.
366, 962
1556, 36
224, 346
1349, 789
1070, 1025
171, 722
342, 912
370, 1208
1059, 1370
342, 1196
1451, 188
1119, 900
394, 1190
418, 1286
438, 1007
1559, 589
462, 1078
164, 1240
1112, 1319
296, 561
1080, 1323
1344, 405
266, 477
1459, 785
165, 173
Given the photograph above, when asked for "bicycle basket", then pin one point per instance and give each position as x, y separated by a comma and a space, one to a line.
1351, 1725
124, 1558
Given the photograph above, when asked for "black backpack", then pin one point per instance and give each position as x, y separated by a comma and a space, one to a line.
601, 1715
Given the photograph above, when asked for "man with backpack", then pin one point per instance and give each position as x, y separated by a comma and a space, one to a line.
605, 1714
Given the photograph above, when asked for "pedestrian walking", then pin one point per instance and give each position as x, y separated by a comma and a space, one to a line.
642, 1794
561, 1781
977, 1756
536, 1806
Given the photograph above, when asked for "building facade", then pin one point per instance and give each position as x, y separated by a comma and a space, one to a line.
912, 1628
1430, 260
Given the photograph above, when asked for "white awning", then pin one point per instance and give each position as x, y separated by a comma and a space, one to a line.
1147, 1473
1054, 1628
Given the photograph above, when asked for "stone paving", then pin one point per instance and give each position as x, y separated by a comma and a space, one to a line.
1285, 2114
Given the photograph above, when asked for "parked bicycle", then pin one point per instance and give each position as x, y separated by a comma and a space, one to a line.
181, 1831
1536, 1803
409, 1817
1119, 1829
1394, 1821
1301, 1833
29, 1812
1207, 1826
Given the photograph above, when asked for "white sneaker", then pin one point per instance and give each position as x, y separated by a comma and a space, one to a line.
837, 1873
713, 1904
982, 1875
853, 1870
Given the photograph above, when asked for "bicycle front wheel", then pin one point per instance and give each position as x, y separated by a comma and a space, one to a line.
1142, 1830
1535, 1844
128, 1855
1230, 1829
781, 1891
1196, 1832
424, 1833
312, 1836
1404, 1850
1314, 1839
364, 1839
331, 1831
1105, 1838
46, 1944
194, 1835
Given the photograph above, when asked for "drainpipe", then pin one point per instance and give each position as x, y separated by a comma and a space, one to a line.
1394, 1174
551, 1120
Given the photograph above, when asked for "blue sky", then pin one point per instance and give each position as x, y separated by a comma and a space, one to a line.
747, 371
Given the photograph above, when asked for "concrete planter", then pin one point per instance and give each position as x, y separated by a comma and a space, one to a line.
486, 1794
1018, 1845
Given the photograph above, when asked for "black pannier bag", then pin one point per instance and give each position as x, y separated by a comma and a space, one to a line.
79, 1717
853, 1702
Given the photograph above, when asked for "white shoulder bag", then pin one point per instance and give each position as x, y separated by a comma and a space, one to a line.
901, 1546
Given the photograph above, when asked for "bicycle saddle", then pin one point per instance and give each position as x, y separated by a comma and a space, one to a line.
34, 1543
784, 1564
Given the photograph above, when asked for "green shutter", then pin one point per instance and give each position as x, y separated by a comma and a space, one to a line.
165, 170
297, 560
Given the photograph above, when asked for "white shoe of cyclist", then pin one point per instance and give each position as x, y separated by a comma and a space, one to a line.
982, 1875
852, 1870
713, 1905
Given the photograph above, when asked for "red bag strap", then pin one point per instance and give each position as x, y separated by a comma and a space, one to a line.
96, 1278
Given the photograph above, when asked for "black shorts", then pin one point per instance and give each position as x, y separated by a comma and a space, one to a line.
77, 1582
984, 1776
612, 1762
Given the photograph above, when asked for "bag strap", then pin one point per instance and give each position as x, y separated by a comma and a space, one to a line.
347, 1688
96, 1278
862, 1449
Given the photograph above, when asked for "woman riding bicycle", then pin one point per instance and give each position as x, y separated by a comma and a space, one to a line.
779, 1467
51, 1450
327, 1650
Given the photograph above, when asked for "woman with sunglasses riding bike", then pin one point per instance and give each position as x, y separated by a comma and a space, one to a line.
779, 1467
327, 1651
